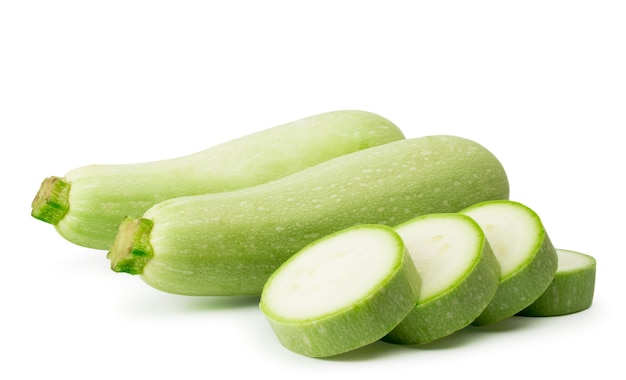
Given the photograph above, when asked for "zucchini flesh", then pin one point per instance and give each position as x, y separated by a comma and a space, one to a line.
87, 205
230, 243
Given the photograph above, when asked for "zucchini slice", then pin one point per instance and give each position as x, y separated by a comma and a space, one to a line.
459, 274
528, 260
570, 291
342, 292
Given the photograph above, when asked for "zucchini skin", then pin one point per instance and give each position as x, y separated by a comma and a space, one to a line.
230, 243
100, 196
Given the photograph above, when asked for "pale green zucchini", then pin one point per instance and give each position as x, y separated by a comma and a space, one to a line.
230, 243
87, 205
341, 292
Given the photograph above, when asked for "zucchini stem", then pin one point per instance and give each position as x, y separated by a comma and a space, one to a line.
51, 203
131, 249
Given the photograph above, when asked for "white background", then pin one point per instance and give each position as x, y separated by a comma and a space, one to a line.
540, 83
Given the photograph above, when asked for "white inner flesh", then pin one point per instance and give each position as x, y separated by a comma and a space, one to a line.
569, 260
512, 232
443, 250
333, 273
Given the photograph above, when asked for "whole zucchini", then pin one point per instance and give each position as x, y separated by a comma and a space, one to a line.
230, 243
88, 204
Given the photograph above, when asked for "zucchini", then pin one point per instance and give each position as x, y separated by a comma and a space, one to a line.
230, 243
87, 205
342, 292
